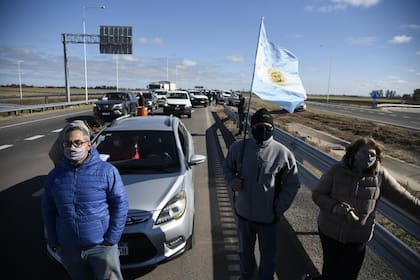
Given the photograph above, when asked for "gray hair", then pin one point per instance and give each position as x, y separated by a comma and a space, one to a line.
78, 125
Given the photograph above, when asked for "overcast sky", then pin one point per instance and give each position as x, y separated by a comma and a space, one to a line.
363, 45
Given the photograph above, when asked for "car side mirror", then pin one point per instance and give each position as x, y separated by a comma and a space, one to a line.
197, 159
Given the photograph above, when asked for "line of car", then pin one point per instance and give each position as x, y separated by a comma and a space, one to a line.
155, 156
177, 102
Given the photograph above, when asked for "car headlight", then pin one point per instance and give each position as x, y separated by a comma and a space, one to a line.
117, 106
174, 209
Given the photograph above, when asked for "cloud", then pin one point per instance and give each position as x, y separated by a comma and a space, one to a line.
358, 3
396, 80
401, 39
417, 52
337, 5
411, 26
234, 58
154, 41
361, 41
186, 63
128, 58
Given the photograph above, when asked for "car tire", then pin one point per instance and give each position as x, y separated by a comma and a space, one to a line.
189, 115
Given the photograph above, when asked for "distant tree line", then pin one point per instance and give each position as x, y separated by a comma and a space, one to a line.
392, 94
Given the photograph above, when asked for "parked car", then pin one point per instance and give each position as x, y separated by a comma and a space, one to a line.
301, 107
155, 157
178, 103
149, 100
161, 96
115, 104
222, 97
233, 99
198, 98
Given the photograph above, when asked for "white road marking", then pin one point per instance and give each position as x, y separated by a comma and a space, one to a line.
57, 130
34, 137
5, 147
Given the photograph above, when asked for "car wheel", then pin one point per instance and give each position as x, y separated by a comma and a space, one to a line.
189, 115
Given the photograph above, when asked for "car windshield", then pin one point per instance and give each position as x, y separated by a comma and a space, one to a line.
147, 95
139, 152
115, 96
177, 95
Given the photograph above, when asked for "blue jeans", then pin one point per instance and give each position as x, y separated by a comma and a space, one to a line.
98, 262
247, 233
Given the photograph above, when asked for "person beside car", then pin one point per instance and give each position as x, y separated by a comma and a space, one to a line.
85, 207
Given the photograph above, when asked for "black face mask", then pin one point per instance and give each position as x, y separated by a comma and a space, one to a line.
261, 133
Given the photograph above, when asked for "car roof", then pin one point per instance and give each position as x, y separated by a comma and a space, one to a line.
157, 123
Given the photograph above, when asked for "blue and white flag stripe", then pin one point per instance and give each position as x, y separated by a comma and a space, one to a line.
276, 78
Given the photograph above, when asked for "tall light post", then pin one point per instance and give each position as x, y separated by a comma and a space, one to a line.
329, 73
84, 45
20, 78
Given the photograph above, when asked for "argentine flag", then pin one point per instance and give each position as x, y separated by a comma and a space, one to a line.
276, 78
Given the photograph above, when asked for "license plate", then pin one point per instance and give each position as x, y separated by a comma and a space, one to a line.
177, 108
123, 248
106, 113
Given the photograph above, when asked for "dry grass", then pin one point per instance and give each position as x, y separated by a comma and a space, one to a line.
398, 142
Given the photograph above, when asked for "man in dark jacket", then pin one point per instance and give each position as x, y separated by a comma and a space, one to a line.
85, 207
263, 175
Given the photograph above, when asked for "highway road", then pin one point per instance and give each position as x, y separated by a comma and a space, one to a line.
24, 144
403, 117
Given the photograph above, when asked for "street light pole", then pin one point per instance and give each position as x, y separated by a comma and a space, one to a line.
329, 73
20, 79
84, 46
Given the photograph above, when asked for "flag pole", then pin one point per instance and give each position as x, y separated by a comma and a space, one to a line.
250, 95
252, 81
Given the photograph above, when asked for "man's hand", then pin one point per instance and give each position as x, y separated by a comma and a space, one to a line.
236, 184
106, 243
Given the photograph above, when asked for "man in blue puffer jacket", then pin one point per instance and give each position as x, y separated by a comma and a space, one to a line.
85, 206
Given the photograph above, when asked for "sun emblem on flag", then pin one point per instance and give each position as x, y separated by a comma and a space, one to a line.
276, 76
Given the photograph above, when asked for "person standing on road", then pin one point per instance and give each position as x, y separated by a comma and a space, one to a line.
347, 195
241, 113
85, 208
264, 177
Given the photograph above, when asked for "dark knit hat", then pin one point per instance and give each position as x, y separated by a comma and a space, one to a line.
262, 115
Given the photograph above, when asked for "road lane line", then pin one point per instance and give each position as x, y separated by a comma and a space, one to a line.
2, 147
34, 137
48, 118
57, 130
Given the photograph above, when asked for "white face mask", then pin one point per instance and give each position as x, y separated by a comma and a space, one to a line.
365, 158
75, 154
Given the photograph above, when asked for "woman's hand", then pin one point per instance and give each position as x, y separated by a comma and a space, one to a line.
341, 208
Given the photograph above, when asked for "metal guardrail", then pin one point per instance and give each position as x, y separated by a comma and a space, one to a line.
401, 258
40, 107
